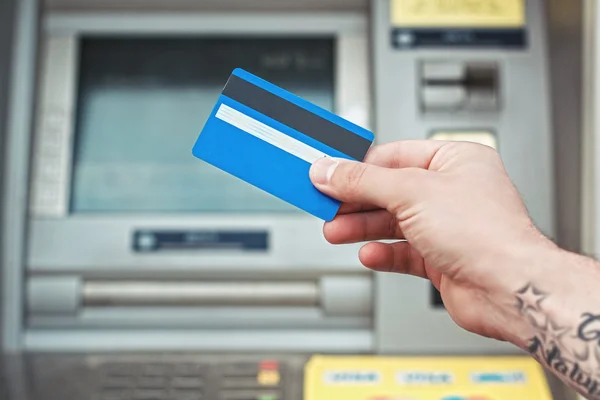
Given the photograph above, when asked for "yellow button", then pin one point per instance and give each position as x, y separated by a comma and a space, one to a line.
268, 378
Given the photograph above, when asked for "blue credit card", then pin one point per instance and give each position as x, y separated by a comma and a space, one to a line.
270, 137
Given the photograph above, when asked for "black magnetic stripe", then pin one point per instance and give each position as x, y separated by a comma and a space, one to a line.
304, 121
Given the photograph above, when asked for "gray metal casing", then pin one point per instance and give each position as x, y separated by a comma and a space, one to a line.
20, 115
86, 252
405, 321
6, 47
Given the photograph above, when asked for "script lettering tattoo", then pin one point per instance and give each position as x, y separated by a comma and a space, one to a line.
589, 330
573, 354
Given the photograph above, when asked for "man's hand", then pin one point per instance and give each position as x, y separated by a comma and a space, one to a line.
458, 219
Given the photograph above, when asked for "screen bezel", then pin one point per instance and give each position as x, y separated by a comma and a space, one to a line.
102, 242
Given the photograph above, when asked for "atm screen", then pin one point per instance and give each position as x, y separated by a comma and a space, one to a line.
141, 103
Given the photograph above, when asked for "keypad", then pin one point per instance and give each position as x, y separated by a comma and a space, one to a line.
261, 380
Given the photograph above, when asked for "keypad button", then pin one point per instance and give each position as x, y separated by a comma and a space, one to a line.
150, 394
115, 394
119, 382
189, 369
151, 382
186, 395
121, 369
156, 369
186, 382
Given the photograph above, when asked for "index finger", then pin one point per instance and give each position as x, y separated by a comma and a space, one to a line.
401, 154
404, 154
351, 208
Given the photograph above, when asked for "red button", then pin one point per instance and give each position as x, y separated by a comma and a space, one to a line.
269, 365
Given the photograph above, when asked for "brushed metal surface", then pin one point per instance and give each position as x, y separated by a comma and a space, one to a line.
182, 293
565, 26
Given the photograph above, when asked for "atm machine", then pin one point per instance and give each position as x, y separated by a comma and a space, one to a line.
134, 271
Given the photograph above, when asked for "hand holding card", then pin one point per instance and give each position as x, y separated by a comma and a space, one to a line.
269, 138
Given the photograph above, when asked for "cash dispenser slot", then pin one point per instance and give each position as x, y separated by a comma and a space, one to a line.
334, 301
296, 294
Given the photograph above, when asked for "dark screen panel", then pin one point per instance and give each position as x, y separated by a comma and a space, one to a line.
143, 101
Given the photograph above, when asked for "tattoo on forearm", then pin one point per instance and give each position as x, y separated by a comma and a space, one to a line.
589, 330
573, 353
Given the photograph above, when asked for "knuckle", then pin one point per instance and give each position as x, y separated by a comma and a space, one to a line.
393, 227
355, 176
488, 151
475, 150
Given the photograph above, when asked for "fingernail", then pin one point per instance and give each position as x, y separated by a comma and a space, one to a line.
322, 170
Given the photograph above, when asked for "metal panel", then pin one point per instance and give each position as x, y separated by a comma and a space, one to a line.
104, 243
103, 247
231, 341
406, 321
91, 245
591, 119
170, 5
591, 144
233, 23
333, 303
53, 295
565, 26
50, 162
20, 117
7, 9
198, 318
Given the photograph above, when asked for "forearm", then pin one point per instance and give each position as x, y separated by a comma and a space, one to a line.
556, 312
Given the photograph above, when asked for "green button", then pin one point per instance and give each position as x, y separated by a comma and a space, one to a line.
267, 397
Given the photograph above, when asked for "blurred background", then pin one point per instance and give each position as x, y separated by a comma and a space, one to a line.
130, 269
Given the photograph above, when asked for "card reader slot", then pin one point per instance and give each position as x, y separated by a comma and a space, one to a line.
470, 83
479, 78
460, 86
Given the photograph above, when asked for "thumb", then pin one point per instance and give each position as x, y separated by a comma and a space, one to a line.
355, 182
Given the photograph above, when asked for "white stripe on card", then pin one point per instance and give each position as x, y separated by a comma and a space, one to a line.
268, 134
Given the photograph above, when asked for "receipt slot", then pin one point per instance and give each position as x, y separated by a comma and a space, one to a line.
454, 70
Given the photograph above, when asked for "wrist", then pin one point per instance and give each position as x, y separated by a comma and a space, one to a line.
558, 319
547, 291
522, 260
528, 269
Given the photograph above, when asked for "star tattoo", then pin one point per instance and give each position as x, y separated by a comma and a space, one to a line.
529, 299
554, 334
573, 354
539, 321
